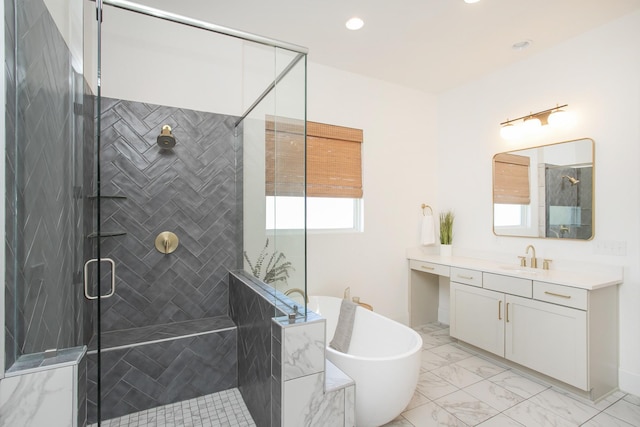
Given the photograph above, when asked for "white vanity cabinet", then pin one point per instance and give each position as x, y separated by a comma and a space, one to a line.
479, 316
541, 326
547, 338
561, 324
475, 317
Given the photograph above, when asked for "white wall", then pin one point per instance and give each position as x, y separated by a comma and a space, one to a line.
67, 14
598, 75
146, 59
400, 173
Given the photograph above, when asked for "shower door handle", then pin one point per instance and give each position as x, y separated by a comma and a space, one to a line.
86, 279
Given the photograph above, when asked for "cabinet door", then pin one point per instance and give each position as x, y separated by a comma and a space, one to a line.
477, 317
548, 338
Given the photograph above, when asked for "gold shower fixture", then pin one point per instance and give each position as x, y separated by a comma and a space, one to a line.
571, 179
166, 140
167, 242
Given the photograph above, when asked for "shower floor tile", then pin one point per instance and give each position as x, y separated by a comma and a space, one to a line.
225, 408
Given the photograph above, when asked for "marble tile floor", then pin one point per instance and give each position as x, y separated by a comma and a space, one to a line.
457, 387
225, 408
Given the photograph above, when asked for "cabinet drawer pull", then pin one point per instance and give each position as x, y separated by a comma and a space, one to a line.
426, 267
557, 295
507, 312
499, 309
460, 276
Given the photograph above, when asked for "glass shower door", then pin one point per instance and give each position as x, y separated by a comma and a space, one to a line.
165, 213
167, 205
94, 266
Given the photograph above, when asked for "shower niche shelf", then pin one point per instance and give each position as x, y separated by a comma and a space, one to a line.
93, 197
107, 234
95, 235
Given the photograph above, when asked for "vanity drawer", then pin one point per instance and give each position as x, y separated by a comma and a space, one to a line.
429, 267
468, 277
561, 295
507, 284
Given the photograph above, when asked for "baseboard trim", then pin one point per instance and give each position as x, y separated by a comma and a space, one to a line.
629, 382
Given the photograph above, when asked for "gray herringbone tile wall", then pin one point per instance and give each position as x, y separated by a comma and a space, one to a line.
42, 208
82, 392
146, 376
89, 309
189, 190
11, 345
252, 313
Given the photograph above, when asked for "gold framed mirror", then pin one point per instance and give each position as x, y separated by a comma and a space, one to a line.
546, 191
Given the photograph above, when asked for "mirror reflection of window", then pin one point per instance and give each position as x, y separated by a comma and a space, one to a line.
545, 191
511, 179
510, 215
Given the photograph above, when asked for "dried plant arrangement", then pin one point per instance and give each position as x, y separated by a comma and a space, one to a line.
277, 268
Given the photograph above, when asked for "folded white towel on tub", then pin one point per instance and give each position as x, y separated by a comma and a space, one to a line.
344, 328
428, 232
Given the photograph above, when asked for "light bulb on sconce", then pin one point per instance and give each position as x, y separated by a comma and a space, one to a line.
559, 117
511, 131
532, 123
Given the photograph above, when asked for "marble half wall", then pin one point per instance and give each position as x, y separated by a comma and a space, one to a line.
283, 374
46, 392
314, 392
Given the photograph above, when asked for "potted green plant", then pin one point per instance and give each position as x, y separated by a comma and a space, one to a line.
446, 232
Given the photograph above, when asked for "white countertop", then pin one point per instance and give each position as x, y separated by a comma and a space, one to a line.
589, 280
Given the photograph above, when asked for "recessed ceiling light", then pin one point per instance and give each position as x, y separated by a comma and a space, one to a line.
471, 1
355, 23
521, 45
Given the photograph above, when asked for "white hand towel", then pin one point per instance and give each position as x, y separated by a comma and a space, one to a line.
428, 233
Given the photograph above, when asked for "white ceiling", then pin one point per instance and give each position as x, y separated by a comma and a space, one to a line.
432, 45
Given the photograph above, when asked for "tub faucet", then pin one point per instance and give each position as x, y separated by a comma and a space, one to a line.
534, 261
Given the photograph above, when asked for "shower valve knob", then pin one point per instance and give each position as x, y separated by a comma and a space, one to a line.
167, 242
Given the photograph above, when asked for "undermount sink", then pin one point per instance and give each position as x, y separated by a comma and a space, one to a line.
518, 270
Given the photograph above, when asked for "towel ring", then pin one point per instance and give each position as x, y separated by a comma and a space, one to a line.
426, 207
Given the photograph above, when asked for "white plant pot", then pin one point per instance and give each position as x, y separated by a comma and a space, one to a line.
445, 250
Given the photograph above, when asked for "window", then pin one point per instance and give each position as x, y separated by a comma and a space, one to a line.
334, 176
511, 191
510, 215
323, 213
511, 179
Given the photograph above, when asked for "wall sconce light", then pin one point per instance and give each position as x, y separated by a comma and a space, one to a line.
513, 129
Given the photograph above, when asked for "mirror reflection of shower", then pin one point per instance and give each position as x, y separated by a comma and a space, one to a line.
569, 201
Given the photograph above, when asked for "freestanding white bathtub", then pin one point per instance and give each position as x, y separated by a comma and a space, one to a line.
383, 360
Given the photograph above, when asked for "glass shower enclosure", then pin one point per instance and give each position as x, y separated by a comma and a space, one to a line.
144, 159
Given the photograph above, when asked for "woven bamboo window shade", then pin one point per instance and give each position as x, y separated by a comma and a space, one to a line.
511, 179
333, 158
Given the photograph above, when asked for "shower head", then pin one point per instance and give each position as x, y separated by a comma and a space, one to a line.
571, 179
166, 139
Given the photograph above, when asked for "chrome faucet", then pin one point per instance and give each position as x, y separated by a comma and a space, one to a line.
534, 261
